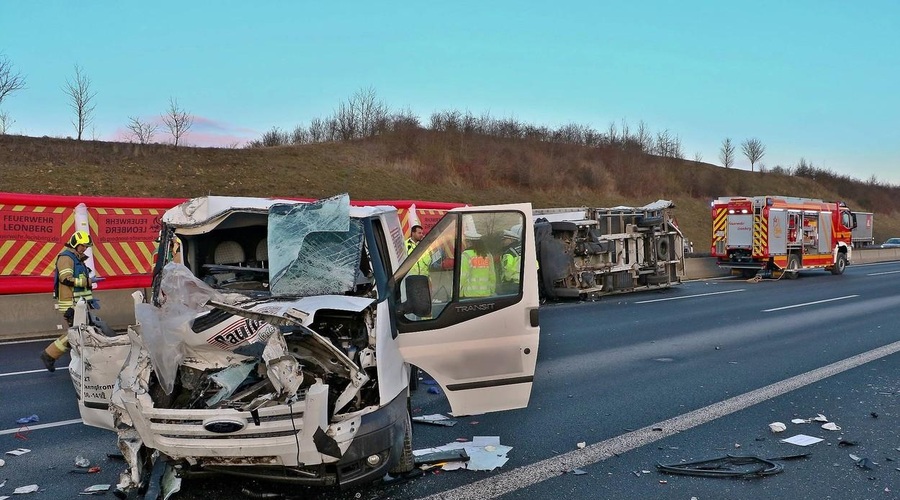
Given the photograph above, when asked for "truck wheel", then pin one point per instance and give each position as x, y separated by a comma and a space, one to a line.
793, 267
840, 264
407, 461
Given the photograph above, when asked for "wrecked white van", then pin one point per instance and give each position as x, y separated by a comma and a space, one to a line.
278, 337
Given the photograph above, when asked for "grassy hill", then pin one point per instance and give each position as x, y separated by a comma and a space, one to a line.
423, 164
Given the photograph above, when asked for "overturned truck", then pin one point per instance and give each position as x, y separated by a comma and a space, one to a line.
587, 252
277, 340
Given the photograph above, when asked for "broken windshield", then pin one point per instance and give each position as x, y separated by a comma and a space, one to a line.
314, 248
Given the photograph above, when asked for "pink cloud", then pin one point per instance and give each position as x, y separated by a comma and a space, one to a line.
205, 132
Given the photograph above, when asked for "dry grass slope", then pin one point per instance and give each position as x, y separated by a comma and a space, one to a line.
417, 164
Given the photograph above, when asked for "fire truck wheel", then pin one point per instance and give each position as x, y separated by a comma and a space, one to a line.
793, 268
840, 264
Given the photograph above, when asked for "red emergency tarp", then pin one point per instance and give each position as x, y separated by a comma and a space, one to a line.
34, 227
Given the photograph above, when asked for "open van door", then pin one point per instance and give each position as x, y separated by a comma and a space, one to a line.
97, 359
473, 324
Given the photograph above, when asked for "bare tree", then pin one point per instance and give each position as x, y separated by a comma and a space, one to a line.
754, 150
5, 122
10, 81
726, 153
141, 131
698, 157
177, 120
80, 100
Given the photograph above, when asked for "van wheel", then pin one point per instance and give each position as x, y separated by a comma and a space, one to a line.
407, 461
793, 267
840, 264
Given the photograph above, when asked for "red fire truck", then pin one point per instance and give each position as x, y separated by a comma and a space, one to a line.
781, 234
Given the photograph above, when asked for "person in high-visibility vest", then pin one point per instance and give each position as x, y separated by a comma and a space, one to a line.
477, 274
511, 261
72, 282
421, 267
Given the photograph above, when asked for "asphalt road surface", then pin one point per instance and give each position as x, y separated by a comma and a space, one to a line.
690, 373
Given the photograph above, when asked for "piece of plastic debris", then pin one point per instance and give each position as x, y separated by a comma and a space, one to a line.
2, 462
802, 440
799, 421
777, 427
820, 418
96, 489
82, 462
727, 466
663, 481
433, 390
18, 451
435, 419
21, 490
865, 463
874, 415
831, 426
28, 420
854, 457
581, 445
3, 483
578, 472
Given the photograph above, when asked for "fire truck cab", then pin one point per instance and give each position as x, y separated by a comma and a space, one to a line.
781, 234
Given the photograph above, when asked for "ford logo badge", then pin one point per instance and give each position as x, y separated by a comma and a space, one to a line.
224, 425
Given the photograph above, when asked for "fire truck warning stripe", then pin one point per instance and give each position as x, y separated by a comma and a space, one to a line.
810, 303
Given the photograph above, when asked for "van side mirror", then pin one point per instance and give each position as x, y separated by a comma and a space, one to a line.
418, 296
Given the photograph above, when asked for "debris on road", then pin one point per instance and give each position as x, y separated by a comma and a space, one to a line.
777, 427
18, 451
440, 457
581, 445
802, 440
28, 420
21, 490
82, 462
96, 489
435, 419
831, 426
485, 453
744, 467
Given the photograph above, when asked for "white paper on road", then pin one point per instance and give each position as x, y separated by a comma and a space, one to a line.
18, 451
21, 490
485, 453
802, 440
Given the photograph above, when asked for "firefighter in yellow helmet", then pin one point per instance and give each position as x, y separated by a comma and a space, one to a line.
72, 283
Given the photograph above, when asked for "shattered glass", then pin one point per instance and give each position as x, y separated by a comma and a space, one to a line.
314, 248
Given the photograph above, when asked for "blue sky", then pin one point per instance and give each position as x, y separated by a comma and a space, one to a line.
813, 79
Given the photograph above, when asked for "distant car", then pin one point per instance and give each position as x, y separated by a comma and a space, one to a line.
891, 243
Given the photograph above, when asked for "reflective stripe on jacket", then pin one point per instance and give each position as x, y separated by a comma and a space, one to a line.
69, 267
477, 277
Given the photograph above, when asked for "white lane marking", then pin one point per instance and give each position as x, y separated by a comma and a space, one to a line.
886, 272
525, 476
21, 373
29, 427
809, 303
42, 339
689, 296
